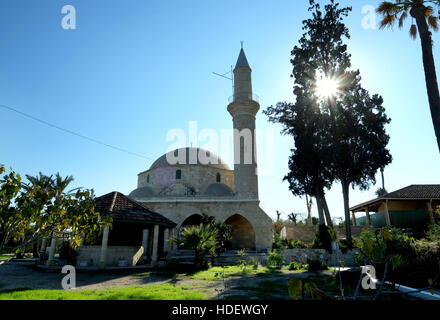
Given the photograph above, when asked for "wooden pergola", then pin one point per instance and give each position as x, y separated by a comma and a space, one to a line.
427, 194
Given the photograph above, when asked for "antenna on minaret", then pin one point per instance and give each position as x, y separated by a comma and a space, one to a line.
224, 76
241, 44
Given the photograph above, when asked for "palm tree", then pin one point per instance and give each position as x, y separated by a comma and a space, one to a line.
423, 14
201, 239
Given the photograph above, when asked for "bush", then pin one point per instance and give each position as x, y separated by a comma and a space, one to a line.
297, 244
275, 260
316, 265
68, 253
324, 238
433, 233
279, 243
295, 266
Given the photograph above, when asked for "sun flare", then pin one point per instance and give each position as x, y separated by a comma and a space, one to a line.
326, 87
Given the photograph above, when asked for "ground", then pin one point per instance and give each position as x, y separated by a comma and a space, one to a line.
158, 284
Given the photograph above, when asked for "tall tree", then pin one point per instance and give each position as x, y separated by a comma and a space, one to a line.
338, 128
423, 14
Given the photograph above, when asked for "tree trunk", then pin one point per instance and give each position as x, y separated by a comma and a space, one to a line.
328, 218
309, 210
345, 192
428, 63
320, 211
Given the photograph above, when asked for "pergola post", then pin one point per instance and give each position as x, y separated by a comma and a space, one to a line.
145, 234
51, 260
104, 245
353, 216
154, 256
387, 214
166, 236
431, 214
367, 216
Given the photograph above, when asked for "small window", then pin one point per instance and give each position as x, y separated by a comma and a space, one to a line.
178, 174
148, 179
218, 177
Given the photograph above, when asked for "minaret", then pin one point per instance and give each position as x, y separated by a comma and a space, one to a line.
243, 110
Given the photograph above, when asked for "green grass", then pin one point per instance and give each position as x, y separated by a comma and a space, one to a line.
150, 292
216, 273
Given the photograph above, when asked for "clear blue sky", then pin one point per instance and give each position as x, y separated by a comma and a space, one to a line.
132, 70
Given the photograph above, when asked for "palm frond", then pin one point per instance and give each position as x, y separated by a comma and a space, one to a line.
402, 18
433, 22
413, 31
387, 21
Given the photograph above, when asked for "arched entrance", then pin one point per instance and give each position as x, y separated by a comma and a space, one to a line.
243, 234
193, 220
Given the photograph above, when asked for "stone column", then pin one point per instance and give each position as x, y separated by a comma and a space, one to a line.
145, 234
154, 256
367, 215
166, 237
170, 244
431, 215
104, 245
387, 214
353, 216
51, 260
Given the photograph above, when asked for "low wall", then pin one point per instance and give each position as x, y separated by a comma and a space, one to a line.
90, 255
307, 233
333, 260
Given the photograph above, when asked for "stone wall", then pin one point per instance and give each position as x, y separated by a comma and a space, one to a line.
90, 255
333, 260
197, 177
307, 233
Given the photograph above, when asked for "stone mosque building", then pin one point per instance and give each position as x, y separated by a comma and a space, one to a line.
183, 191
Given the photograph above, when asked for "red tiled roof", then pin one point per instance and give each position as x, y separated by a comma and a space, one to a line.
416, 191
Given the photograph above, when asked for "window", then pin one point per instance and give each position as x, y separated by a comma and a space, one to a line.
218, 177
148, 178
178, 174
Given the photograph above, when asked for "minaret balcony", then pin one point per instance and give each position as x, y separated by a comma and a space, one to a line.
244, 97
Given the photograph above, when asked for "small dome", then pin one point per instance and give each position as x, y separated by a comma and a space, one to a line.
215, 161
218, 189
142, 192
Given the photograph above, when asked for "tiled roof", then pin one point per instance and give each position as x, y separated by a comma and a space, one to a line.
416, 191
120, 207
412, 192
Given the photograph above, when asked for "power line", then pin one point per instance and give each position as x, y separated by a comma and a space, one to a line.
72, 132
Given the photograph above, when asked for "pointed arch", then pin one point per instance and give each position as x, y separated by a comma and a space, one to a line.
243, 233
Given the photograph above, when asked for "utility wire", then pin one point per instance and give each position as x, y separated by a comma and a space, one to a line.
72, 132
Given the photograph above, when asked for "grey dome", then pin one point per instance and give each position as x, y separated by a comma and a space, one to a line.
218, 189
216, 161
142, 192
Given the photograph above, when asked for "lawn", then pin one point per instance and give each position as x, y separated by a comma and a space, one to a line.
216, 273
151, 292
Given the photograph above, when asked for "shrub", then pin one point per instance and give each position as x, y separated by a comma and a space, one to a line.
275, 260
297, 244
68, 253
295, 266
316, 265
433, 233
278, 243
253, 262
324, 238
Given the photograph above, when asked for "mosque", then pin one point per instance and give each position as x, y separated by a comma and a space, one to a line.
183, 190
